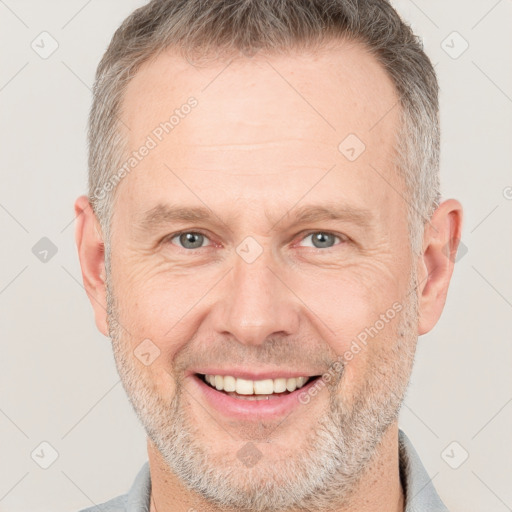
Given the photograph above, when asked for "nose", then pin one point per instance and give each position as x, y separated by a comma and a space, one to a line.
255, 303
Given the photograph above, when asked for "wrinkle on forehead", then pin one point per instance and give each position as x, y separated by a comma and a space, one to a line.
265, 98
269, 118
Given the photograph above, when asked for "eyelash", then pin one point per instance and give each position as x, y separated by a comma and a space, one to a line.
342, 238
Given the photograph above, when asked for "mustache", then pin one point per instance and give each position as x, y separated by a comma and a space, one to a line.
275, 353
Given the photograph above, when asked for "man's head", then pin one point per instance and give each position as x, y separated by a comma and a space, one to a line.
283, 219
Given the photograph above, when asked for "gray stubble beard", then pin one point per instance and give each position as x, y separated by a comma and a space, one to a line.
327, 469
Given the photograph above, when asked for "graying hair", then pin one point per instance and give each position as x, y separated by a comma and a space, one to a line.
244, 27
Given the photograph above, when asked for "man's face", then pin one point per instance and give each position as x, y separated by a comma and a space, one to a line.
252, 290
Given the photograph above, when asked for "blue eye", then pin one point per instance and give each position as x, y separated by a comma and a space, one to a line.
190, 239
195, 240
322, 239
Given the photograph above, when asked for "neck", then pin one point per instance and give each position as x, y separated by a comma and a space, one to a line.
379, 489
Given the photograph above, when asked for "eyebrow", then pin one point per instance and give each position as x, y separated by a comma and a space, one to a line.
164, 214
167, 214
332, 211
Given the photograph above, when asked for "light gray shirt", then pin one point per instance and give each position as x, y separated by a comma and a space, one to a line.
420, 494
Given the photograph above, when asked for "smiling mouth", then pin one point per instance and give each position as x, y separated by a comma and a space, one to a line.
255, 390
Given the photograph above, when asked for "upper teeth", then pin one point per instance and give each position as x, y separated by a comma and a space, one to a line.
255, 387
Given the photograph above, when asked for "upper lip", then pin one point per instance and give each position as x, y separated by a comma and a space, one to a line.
240, 373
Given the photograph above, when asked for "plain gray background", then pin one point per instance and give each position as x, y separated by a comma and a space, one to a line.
58, 382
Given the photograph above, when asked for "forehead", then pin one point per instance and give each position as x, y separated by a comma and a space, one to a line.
279, 118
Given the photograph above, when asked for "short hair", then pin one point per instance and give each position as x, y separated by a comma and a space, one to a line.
244, 27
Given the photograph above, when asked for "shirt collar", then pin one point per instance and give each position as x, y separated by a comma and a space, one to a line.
420, 493
138, 499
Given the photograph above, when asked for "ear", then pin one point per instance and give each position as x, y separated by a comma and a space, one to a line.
91, 252
440, 243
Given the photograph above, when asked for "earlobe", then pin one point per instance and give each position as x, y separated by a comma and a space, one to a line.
440, 244
91, 252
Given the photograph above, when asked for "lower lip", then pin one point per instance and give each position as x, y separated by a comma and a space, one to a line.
251, 409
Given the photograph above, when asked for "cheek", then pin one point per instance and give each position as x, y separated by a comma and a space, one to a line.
153, 298
357, 316
164, 309
349, 300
